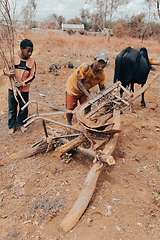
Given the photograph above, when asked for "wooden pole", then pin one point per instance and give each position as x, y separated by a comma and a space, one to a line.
84, 198
143, 89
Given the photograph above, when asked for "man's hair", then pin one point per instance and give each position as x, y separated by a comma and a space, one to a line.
26, 43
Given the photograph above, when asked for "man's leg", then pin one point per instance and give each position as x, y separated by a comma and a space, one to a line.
83, 99
71, 103
69, 118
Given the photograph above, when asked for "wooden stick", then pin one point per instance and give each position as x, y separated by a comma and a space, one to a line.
125, 90
143, 89
7, 38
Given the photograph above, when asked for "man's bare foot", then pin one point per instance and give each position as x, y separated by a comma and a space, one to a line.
23, 129
11, 131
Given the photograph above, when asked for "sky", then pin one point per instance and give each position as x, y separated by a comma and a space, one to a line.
71, 8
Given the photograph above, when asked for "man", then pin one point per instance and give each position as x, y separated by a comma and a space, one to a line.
85, 77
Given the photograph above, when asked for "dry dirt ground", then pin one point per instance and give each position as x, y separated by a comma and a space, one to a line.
36, 193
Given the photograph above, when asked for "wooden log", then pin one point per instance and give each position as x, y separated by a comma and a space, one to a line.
30, 151
86, 193
84, 198
68, 146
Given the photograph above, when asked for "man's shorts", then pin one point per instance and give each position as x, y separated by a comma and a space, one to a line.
71, 101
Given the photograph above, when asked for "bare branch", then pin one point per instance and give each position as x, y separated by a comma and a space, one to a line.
7, 39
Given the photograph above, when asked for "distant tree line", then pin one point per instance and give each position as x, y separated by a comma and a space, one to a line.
135, 26
101, 19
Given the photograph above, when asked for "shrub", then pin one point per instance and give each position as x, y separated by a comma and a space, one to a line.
118, 30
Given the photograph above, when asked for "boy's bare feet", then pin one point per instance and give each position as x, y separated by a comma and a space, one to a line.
23, 129
11, 131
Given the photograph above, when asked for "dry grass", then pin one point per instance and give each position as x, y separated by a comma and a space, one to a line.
92, 42
88, 44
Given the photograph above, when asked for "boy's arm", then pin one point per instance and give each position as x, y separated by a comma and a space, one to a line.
31, 75
11, 73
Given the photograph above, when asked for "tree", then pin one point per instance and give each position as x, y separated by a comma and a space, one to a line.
158, 8
118, 30
61, 20
104, 9
75, 20
150, 4
85, 19
55, 21
136, 26
29, 11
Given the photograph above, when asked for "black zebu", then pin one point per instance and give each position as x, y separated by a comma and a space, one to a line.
132, 66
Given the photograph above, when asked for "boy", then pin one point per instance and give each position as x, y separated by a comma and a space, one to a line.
25, 69
85, 77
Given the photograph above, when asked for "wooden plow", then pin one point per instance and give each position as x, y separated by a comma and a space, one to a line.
97, 128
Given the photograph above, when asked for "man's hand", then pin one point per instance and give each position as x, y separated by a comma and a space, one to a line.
82, 88
18, 84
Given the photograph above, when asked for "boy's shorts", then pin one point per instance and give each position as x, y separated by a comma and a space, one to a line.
71, 101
